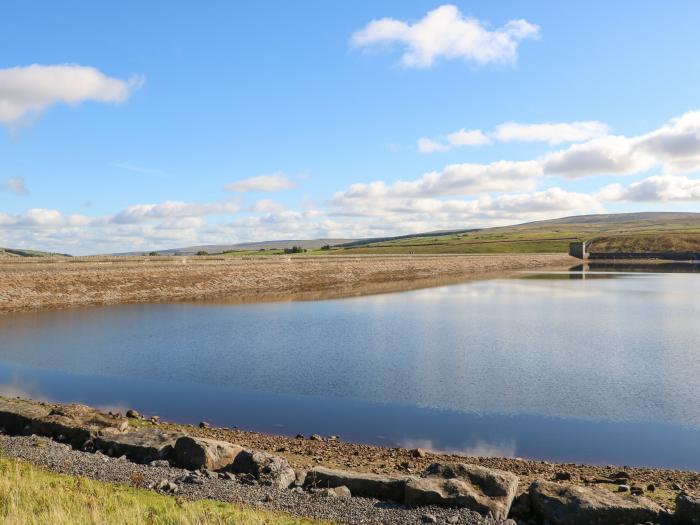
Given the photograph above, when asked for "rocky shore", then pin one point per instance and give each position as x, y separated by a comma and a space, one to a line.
40, 283
302, 475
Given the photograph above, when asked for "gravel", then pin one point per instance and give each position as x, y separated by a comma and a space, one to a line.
62, 458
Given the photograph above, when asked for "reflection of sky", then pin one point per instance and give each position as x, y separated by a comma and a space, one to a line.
621, 349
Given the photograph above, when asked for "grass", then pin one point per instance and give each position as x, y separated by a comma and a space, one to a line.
632, 232
30, 495
641, 243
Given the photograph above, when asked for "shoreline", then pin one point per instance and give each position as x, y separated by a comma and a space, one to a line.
38, 284
305, 453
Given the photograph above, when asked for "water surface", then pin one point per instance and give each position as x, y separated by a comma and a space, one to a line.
604, 369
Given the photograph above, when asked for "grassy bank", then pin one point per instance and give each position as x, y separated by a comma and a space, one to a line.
33, 496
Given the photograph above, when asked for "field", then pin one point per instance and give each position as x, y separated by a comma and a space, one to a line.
625, 232
30, 495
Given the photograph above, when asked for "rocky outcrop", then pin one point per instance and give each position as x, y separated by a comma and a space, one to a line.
143, 445
474, 487
687, 510
74, 423
563, 504
200, 453
267, 469
360, 484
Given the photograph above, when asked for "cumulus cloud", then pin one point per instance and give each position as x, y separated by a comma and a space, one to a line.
454, 179
658, 188
278, 181
445, 33
675, 147
454, 140
170, 210
16, 185
26, 92
552, 133
267, 206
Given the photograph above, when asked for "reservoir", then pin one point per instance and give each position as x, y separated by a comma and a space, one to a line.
595, 367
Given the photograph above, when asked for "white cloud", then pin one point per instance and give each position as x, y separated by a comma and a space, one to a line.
171, 209
675, 147
277, 181
26, 92
447, 33
658, 188
454, 140
267, 206
552, 133
454, 179
16, 185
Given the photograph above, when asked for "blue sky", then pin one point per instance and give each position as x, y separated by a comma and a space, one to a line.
143, 125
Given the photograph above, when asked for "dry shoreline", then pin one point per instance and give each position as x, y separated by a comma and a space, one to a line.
35, 284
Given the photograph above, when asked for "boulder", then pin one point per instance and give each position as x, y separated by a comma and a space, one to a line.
360, 484
687, 510
267, 469
561, 504
143, 445
473, 487
20, 417
73, 423
80, 423
196, 453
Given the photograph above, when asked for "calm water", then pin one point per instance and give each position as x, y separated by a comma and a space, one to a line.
604, 369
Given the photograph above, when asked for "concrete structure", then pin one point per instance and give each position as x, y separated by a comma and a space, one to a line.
578, 250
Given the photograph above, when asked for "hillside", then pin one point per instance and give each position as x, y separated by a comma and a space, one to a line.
14, 252
549, 236
309, 244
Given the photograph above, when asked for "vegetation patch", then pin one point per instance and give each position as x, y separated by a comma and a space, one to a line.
32, 496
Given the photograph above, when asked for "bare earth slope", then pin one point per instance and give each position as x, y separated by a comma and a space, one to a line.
30, 284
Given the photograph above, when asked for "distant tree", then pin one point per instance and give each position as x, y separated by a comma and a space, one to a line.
326, 247
294, 249
202, 252
153, 254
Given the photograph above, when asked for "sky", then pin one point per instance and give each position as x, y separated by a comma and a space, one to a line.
137, 125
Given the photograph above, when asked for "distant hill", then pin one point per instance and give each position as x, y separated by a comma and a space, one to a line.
309, 244
550, 236
15, 252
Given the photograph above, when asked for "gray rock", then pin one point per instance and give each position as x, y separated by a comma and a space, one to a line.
316, 437
462, 485
204, 424
687, 510
267, 469
343, 492
299, 477
133, 414
76, 423
143, 445
360, 484
428, 518
418, 453
159, 463
196, 453
561, 504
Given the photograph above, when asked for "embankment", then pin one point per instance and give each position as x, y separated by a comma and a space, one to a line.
32, 284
